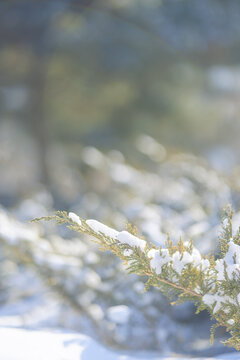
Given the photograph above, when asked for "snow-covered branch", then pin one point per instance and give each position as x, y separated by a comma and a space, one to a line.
180, 271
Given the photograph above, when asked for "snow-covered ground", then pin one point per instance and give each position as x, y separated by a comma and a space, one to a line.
21, 344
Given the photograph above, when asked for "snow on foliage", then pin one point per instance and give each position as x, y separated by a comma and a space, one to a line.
124, 237
75, 218
158, 259
101, 228
180, 271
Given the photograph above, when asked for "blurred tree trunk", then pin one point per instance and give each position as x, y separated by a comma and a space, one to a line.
37, 85
37, 115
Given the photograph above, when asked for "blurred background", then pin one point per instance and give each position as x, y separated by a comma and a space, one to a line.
121, 111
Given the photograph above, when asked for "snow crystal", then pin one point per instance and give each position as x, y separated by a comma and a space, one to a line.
101, 228
119, 314
75, 218
158, 259
125, 237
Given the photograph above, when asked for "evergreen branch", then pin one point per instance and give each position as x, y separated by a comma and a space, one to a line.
180, 270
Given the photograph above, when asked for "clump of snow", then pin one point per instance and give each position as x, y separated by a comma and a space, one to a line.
119, 314
196, 256
127, 252
180, 260
124, 237
205, 264
158, 260
216, 301
233, 252
232, 261
210, 300
98, 227
75, 218
233, 270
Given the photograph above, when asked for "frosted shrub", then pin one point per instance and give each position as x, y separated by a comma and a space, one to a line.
180, 271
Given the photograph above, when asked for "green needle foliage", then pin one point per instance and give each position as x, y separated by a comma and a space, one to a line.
180, 271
